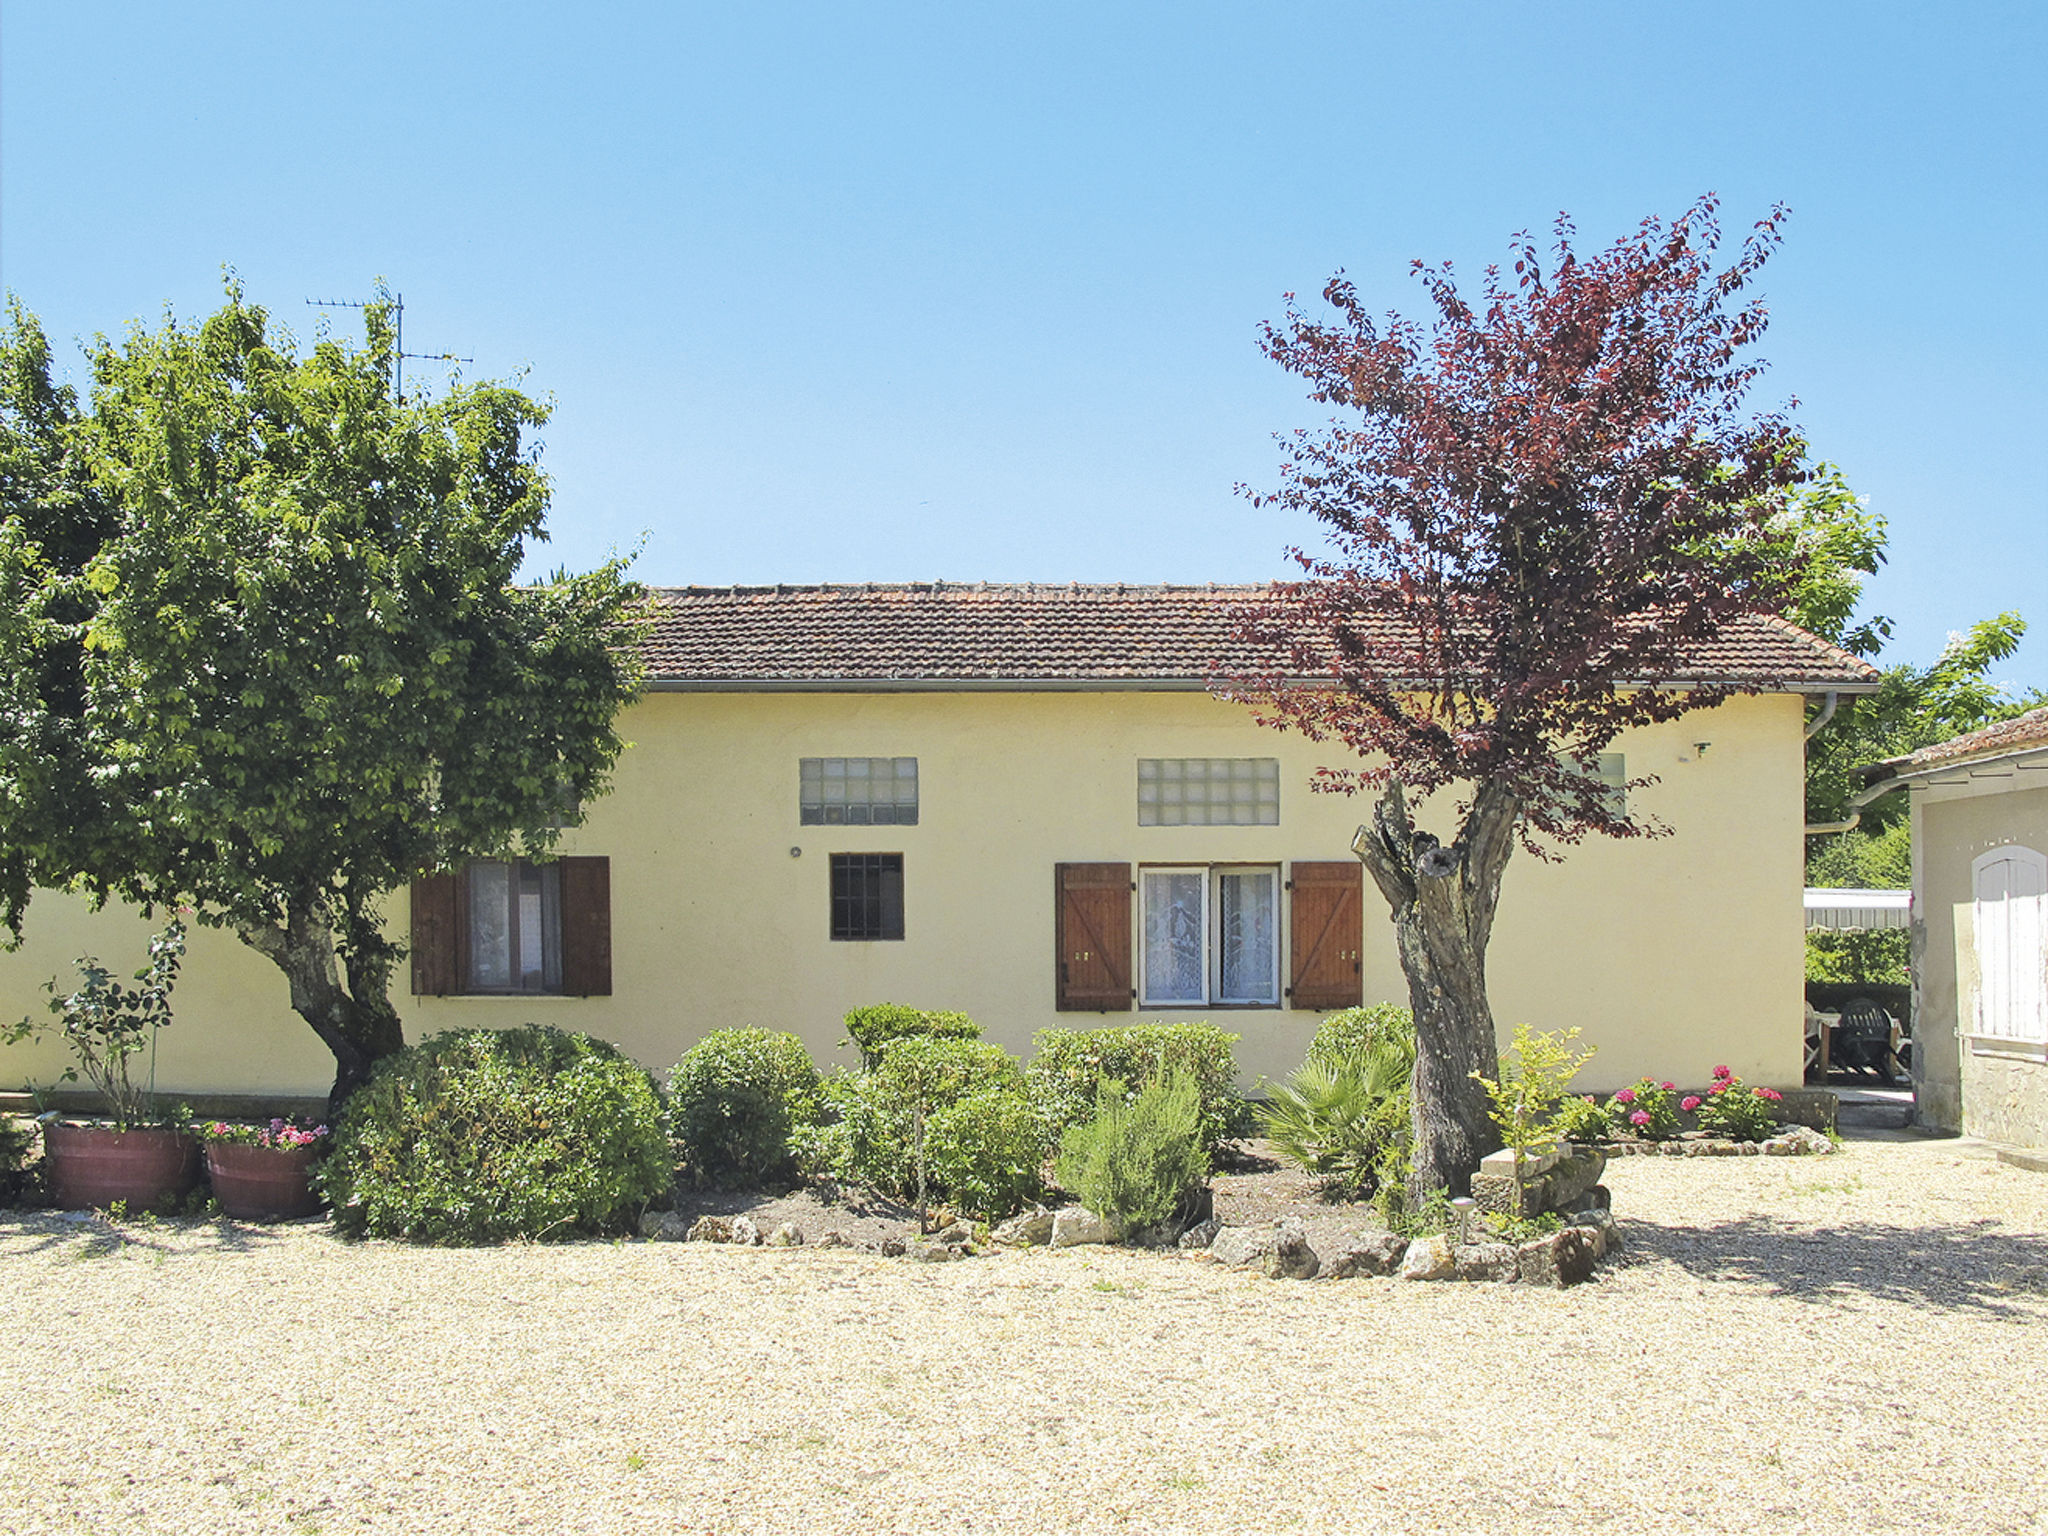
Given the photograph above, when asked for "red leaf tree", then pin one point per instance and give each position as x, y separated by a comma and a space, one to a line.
1536, 510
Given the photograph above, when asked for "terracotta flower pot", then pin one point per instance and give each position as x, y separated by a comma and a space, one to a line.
262, 1183
151, 1168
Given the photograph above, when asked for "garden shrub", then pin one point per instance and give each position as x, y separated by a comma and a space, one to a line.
1068, 1066
986, 1152
1536, 1073
874, 1027
1735, 1110
1141, 1161
1343, 1118
1582, 1119
875, 1141
1646, 1109
17, 1140
479, 1135
1353, 1032
736, 1099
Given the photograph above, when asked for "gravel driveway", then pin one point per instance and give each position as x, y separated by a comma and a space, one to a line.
1846, 1343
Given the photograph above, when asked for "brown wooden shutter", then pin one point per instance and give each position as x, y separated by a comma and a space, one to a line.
1327, 917
587, 927
434, 969
1093, 938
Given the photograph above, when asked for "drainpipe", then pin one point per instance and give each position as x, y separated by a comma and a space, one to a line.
1856, 804
1827, 713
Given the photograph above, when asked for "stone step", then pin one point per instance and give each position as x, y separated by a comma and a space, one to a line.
1874, 1116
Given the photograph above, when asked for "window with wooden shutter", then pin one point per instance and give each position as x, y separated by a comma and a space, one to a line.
435, 971
1327, 914
511, 926
1092, 938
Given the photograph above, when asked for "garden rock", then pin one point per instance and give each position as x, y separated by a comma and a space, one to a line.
1797, 1141
1429, 1258
1073, 1226
1290, 1257
663, 1227
1561, 1259
1598, 1198
1606, 1235
1369, 1253
1030, 1230
738, 1230
1486, 1261
834, 1238
937, 1250
1201, 1234
1237, 1246
892, 1248
788, 1235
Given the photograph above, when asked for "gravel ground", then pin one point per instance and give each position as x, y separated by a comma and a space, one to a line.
1848, 1343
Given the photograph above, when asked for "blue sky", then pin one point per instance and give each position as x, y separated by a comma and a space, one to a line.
880, 292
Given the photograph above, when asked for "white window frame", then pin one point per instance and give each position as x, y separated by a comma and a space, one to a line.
2009, 936
1212, 876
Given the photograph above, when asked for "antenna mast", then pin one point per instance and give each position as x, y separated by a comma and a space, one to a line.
398, 360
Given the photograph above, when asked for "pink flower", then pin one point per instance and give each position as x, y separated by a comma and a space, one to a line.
1720, 1087
1689, 1103
1769, 1093
1671, 1087
1640, 1117
1626, 1096
1722, 1072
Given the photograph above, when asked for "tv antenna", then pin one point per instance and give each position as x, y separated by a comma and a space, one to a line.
398, 363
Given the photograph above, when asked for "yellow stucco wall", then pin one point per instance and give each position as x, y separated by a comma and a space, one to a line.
1985, 1089
1675, 954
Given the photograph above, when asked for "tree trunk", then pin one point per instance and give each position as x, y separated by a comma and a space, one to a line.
360, 1028
1443, 900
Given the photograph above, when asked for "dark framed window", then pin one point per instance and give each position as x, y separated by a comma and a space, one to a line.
857, 791
867, 895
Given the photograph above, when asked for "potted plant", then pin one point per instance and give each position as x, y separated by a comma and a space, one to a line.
129, 1154
263, 1172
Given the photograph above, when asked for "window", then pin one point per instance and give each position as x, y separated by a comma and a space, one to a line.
867, 895
512, 919
1610, 769
1208, 791
2009, 921
514, 927
1210, 935
857, 791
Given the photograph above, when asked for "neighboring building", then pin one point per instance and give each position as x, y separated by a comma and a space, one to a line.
1980, 938
1022, 802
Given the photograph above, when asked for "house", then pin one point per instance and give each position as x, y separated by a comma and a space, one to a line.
1980, 932
1024, 803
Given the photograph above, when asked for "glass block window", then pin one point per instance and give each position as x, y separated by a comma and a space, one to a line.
857, 791
1208, 791
1611, 769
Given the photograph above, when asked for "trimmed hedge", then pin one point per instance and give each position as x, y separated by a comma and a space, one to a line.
1068, 1065
875, 1141
478, 1135
874, 1027
736, 1099
1351, 1033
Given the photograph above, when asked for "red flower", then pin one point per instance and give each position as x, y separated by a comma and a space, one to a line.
1626, 1096
1769, 1093
1722, 1072
1689, 1103
1671, 1087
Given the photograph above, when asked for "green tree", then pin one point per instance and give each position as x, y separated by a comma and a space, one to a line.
270, 660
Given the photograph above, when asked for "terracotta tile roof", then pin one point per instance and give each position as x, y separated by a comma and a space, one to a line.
2016, 734
1080, 635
